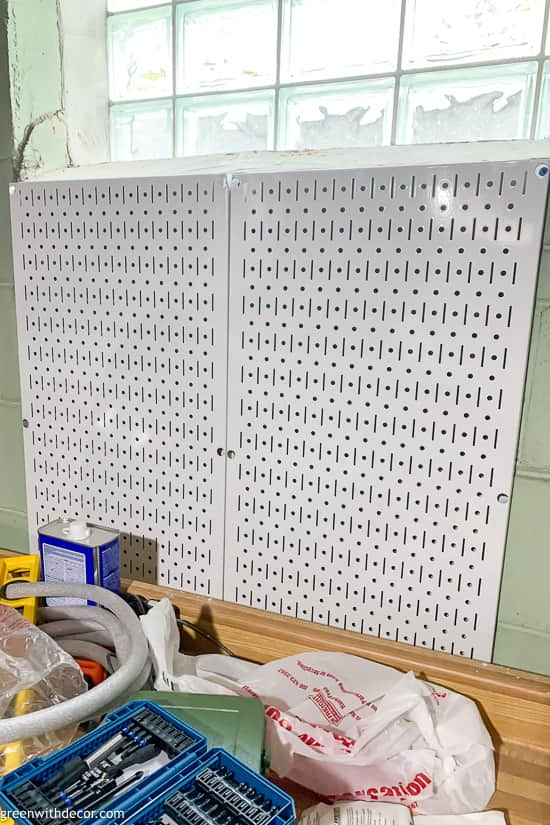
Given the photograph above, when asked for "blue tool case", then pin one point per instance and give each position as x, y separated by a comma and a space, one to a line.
145, 766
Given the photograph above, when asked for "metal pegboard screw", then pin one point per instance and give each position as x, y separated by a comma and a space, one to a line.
231, 453
502, 498
542, 170
11, 189
26, 423
220, 451
231, 182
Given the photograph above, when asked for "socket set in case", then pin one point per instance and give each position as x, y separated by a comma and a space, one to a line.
135, 746
154, 768
217, 790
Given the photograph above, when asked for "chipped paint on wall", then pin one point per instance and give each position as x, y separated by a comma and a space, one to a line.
36, 87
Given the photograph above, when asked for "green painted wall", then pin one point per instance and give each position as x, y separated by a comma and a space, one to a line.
13, 527
523, 635
36, 84
30, 86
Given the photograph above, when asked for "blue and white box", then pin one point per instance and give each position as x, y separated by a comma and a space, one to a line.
74, 552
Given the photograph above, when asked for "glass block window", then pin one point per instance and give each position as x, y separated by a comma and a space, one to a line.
192, 77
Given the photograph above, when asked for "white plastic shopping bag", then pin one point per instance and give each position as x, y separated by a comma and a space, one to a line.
349, 728
345, 727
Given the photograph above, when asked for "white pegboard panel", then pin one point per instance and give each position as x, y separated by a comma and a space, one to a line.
122, 317
379, 327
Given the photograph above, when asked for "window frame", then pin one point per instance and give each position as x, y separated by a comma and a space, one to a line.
275, 141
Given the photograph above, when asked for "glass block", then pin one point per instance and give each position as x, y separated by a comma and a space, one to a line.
325, 39
489, 103
224, 123
462, 31
332, 115
226, 45
543, 119
141, 131
129, 5
140, 54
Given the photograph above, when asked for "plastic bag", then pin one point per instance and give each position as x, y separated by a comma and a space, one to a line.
348, 728
35, 673
211, 673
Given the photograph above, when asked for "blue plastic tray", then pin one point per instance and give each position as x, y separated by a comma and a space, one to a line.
151, 806
41, 769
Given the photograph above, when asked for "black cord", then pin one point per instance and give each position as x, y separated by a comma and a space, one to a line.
140, 605
206, 635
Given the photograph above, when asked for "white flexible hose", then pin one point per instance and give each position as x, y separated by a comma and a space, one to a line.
90, 704
111, 623
66, 617
59, 613
52, 616
71, 627
64, 627
98, 637
86, 650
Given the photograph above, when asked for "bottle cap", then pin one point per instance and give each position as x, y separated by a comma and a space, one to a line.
77, 529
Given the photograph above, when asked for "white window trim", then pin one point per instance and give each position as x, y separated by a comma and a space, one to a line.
370, 157
85, 92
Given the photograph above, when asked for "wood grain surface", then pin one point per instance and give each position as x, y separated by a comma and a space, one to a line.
515, 705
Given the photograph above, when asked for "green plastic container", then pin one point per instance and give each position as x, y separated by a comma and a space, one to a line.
235, 723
